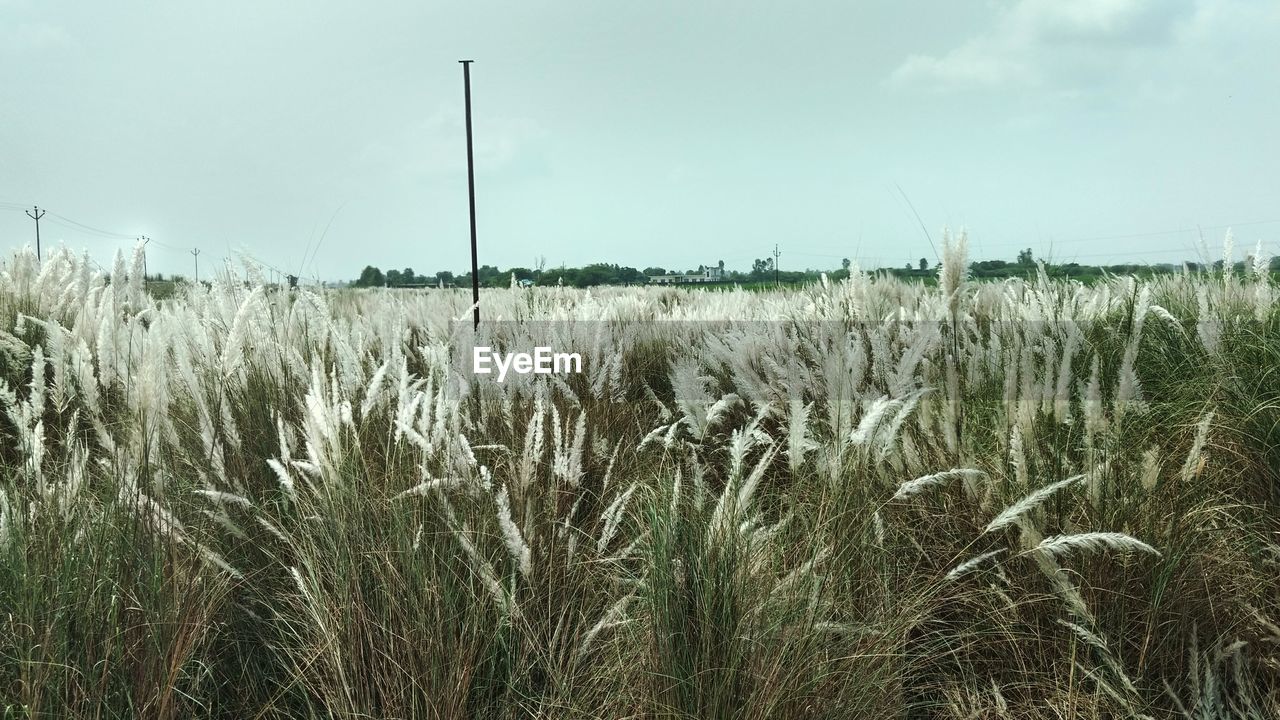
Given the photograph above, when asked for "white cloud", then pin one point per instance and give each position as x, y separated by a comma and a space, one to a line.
1035, 42
437, 144
973, 64
28, 37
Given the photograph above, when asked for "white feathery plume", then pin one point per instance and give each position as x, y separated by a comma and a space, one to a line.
511, 535
271, 528
1062, 394
5, 522
1150, 469
1067, 591
1165, 315
651, 437
1260, 262
488, 576
1101, 646
871, 420
737, 494
1028, 503
972, 563
1018, 457
1094, 420
225, 497
954, 269
611, 618
612, 516
371, 396
1062, 544
920, 484
1191, 467
798, 441
888, 433
1208, 328
719, 408
428, 486
1228, 255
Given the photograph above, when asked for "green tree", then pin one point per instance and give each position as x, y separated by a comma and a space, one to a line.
924, 263
370, 277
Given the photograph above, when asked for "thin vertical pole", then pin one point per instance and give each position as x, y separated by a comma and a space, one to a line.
471, 192
40, 213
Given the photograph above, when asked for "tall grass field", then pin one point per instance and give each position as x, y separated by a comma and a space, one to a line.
869, 498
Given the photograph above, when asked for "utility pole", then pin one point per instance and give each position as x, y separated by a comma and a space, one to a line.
38, 214
471, 192
776, 255
195, 253
144, 240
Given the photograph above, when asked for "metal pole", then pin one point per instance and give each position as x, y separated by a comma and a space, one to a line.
195, 253
471, 192
39, 214
144, 240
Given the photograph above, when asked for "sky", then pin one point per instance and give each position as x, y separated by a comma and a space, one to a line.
667, 134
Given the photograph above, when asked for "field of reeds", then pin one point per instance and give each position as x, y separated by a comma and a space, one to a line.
863, 499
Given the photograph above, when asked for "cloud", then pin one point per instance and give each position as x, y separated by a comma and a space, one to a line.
1039, 42
436, 145
970, 65
32, 37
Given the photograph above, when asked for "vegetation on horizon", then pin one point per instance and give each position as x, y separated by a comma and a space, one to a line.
762, 271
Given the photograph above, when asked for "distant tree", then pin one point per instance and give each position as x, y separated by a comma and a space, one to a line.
445, 277
370, 277
909, 266
1025, 258
595, 274
654, 271
629, 275
924, 263
845, 263
721, 266
408, 276
394, 278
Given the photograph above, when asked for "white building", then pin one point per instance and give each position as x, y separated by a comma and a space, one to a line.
709, 274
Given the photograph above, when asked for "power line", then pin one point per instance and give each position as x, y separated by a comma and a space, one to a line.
922, 227
100, 231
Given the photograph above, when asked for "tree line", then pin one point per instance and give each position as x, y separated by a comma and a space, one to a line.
762, 271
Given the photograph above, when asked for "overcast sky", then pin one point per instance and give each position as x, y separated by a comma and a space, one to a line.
641, 133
